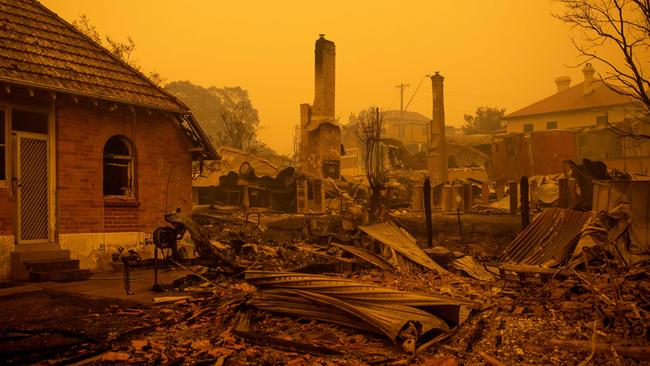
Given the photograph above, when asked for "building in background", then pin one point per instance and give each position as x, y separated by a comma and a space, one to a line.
589, 103
572, 124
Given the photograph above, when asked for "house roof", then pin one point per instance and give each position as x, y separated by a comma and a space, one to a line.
395, 116
40, 49
573, 98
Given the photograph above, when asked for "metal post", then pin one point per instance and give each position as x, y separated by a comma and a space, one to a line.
426, 188
532, 194
468, 197
525, 211
460, 225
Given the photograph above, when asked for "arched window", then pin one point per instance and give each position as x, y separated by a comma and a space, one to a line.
118, 167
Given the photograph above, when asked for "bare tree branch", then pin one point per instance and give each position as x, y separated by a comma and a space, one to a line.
621, 25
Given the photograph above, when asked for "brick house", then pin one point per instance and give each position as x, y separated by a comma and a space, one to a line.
92, 153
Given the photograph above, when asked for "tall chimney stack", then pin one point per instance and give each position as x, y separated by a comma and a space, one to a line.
589, 84
437, 163
324, 92
562, 83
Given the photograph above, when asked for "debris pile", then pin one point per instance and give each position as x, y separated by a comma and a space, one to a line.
570, 288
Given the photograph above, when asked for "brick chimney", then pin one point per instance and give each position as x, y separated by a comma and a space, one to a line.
324, 91
562, 83
437, 151
589, 84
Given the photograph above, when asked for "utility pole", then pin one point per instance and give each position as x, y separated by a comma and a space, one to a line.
401, 88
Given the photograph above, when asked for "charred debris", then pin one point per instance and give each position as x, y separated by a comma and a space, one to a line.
263, 286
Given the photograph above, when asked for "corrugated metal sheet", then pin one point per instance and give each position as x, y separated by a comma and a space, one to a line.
403, 243
355, 304
473, 268
547, 193
548, 240
367, 256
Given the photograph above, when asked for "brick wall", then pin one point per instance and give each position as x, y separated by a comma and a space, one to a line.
162, 168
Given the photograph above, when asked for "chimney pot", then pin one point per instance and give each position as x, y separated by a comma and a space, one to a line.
589, 84
562, 83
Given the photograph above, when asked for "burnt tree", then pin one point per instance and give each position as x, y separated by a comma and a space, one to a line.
370, 125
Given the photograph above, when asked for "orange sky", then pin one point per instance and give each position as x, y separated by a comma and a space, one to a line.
493, 53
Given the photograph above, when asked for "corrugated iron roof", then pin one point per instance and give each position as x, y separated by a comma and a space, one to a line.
355, 304
40, 49
403, 243
548, 239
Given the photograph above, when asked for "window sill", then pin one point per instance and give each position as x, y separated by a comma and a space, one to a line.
118, 201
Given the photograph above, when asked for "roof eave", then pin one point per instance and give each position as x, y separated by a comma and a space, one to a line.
515, 115
210, 153
28, 84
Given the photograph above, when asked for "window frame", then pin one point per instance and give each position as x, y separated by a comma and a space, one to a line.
549, 123
532, 127
131, 193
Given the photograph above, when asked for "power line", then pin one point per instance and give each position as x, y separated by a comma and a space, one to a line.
416, 91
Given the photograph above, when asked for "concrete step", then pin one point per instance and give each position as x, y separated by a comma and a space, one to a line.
41, 255
47, 265
64, 275
38, 247
18, 258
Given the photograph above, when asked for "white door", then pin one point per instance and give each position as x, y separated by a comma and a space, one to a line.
32, 187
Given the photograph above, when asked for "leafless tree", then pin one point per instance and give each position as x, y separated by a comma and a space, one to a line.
237, 130
621, 25
370, 128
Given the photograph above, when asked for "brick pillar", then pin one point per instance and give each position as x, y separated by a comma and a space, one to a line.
437, 149
324, 77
